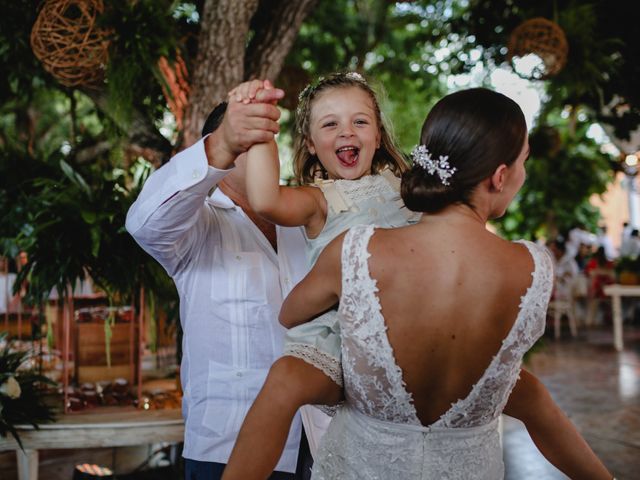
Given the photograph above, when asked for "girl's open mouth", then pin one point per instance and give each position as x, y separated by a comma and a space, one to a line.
348, 156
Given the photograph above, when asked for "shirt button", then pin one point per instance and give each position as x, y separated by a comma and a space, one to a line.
238, 257
238, 374
195, 173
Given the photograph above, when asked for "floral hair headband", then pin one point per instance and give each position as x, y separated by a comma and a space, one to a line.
440, 167
311, 87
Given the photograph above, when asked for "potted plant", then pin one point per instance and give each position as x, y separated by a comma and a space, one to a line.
628, 270
22, 397
70, 222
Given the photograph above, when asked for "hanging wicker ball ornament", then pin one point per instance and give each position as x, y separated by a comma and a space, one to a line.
66, 39
543, 38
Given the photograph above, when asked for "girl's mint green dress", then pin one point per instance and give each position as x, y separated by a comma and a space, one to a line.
369, 200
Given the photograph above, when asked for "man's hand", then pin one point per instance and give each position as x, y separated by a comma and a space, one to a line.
252, 92
245, 124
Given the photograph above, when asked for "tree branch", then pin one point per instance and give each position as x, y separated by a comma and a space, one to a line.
219, 62
276, 25
143, 136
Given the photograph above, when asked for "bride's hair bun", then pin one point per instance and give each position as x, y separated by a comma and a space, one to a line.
478, 130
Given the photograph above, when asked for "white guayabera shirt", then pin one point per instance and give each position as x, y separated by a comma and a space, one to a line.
231, 284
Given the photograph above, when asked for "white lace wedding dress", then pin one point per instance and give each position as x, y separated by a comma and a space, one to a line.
376, 434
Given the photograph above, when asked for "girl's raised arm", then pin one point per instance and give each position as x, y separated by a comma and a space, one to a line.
286, 206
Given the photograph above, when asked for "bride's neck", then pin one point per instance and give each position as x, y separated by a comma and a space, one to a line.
459, 214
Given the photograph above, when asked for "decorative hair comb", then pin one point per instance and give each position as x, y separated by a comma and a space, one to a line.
440, 167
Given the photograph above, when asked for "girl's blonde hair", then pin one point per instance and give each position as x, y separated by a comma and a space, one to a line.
307, 166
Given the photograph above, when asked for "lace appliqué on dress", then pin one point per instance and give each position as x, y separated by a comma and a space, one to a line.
373, 380
490, 394
376, 434
356, 447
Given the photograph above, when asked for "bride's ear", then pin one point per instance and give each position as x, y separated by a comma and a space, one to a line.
498, 178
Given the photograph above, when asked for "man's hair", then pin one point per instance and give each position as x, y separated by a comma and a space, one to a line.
214, 119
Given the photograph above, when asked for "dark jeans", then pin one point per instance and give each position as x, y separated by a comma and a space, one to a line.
196, 470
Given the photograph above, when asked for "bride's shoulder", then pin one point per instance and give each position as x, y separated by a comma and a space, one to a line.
538, 254
533, 248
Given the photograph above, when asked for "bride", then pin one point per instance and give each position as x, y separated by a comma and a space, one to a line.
437, 316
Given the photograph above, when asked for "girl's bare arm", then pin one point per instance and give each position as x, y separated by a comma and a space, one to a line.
319, 291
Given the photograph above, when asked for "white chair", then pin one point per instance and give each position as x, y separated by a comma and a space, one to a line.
560, 307
564, 303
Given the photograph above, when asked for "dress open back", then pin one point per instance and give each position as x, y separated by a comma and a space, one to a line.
376, 434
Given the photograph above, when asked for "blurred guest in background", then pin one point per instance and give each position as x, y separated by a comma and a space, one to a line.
566, 269
631, 246
604, 241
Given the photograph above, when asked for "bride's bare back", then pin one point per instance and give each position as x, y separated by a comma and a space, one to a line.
448, 300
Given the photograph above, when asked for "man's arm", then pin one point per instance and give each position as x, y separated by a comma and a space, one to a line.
552, 431
164, 219
168, 214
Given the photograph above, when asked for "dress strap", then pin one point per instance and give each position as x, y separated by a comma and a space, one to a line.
542, 274
355, 255
335, 200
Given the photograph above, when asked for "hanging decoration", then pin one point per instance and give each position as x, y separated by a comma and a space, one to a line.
69, 43
543, 38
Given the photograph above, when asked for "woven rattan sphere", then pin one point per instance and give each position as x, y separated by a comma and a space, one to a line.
66, 39
543, 38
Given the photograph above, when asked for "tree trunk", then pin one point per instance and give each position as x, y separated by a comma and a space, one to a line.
222, 63
219, 64
276, 25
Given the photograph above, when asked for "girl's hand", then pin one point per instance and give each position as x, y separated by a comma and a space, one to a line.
248, 92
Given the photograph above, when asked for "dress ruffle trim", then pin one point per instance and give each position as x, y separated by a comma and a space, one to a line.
329, 365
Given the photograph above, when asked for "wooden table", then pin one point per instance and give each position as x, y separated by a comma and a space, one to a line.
616, 292
115, 428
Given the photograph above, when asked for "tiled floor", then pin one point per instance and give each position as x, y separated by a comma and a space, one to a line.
597, 387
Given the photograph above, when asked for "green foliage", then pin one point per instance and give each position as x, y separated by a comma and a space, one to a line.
390, 44
17, 171
21, 71
560, 181
142, 32
26, 404
70, 220
603, 49
627, 264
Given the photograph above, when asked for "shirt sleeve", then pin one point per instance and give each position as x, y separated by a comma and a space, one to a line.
169, 214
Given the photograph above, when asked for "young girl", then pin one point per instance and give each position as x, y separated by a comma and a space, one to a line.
349, 167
